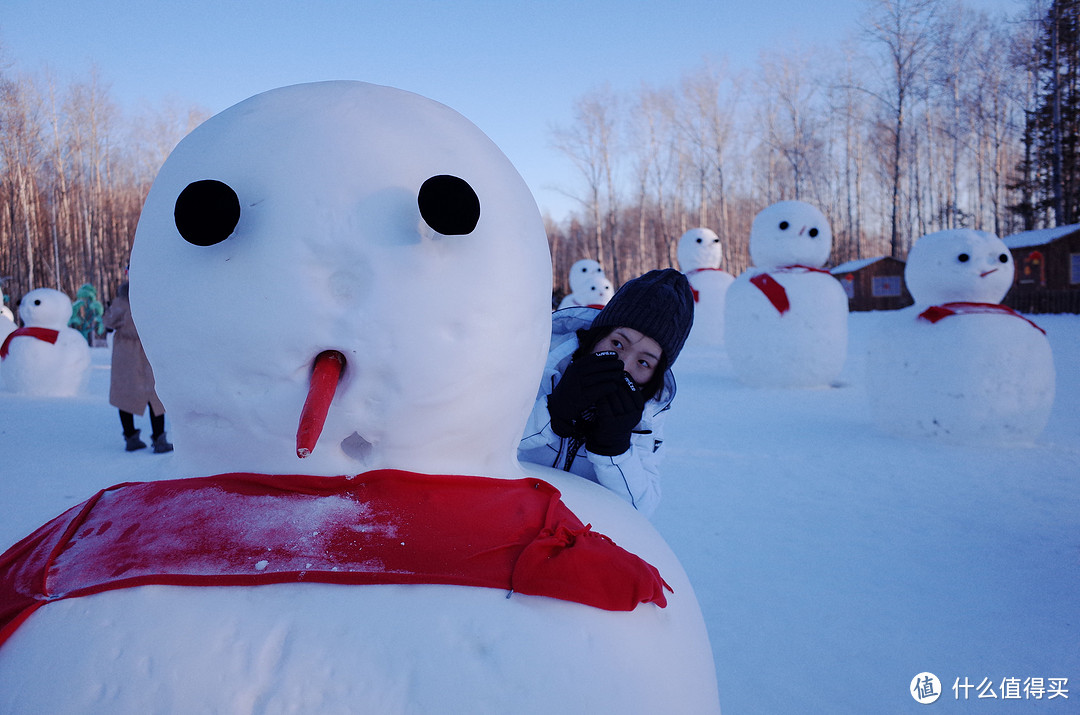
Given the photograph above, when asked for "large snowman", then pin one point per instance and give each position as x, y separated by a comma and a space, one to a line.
786, 317
958, 366
700, 254
589, 285
436, 576
44, 358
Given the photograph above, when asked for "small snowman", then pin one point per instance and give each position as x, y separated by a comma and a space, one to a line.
5, 313
700, 254
44, 358
7, 319
588, 286
786, 317
374, 546
957, 365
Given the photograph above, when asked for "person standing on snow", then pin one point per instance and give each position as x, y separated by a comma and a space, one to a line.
131, 379
607, 385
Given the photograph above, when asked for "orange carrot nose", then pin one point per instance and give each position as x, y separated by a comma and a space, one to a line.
325, 374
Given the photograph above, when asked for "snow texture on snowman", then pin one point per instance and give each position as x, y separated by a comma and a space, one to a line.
416, 328
589, 286
700, 253
44, 358
957, 366
786, 317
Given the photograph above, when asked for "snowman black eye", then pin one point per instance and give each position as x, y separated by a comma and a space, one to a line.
449, 205
206, 212
1004, 258
813, 233
699, 240
784, 225
963, 258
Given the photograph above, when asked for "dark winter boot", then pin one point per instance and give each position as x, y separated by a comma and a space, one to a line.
133, 442
162, 445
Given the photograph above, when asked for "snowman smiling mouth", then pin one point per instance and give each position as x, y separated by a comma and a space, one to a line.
326, 372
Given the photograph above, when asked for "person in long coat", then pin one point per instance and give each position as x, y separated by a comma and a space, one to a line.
131, 386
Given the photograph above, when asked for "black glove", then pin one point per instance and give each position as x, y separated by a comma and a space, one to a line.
617, 413
586, 380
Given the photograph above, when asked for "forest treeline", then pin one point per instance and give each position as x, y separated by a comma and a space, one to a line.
931, 115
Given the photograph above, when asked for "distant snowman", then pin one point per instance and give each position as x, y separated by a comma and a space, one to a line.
436, 574
786, 317
7, 320
44, 358
5, 313
700, 254
957, 365
589, 286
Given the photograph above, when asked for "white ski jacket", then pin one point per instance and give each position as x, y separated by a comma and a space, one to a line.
634, 475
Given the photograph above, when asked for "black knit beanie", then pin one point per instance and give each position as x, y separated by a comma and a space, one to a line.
659, 304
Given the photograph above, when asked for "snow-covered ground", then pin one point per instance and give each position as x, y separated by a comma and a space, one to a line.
832, 563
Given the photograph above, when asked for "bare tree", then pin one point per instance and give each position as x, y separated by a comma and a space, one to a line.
590, 144
904, 31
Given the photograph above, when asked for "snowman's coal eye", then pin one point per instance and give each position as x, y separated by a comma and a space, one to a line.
813, 233
449, 205
584, 270
784, 225
1004, 258
206, 212
963, 258
700, 240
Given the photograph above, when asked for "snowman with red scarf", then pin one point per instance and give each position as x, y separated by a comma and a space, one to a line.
958, 366
700, 254
44, 358
786, 317
364, 539
589, 286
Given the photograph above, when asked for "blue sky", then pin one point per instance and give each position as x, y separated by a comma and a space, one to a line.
513, 67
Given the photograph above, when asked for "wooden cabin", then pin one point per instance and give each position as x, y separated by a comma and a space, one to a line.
873, 283
1047, 270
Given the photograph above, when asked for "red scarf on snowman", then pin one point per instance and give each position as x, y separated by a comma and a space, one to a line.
47, 334
939, 312
386, 526
774, 291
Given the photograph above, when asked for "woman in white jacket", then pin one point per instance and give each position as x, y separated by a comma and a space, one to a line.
607, 387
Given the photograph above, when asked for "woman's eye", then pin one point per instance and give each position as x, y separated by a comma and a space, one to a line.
784, 225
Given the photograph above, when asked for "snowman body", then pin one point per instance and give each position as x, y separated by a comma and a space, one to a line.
957, 366
331, 185
785, 317
46, 358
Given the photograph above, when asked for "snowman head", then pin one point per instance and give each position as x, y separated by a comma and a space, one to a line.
406, 243
582, 273
45, 308
596, 290
699, 248
790, 233
959, 265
